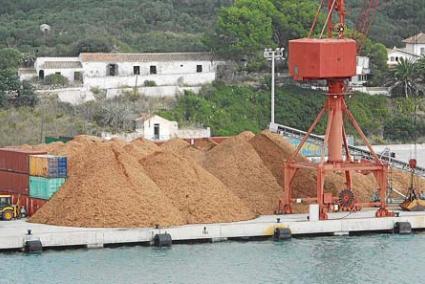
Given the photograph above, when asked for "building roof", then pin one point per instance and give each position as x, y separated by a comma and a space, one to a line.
146, 57
416, 39
61, 65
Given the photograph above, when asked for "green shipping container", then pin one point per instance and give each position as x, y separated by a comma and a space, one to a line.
64, 139
44, 188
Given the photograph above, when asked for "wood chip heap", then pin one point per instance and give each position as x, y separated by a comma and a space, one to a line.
140, 184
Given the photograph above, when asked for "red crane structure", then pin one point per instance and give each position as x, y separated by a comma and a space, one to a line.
366, 17
332, 59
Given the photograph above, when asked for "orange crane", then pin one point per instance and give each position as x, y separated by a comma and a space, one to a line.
332, 59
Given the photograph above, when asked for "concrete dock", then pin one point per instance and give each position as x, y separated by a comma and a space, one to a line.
13, 233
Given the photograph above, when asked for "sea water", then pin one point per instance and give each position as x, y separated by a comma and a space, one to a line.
381, 258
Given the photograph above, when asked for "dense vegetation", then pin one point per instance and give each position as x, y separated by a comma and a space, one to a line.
173, 25
87, 25
231, 109
395, 20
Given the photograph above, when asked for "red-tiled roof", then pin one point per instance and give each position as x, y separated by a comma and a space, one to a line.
146, 57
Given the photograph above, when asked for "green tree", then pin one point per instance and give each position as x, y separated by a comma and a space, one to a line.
293, 19
404, 75
378, 56
9, 81
243, 29
420, 69
92, 45
10, 58
248, 26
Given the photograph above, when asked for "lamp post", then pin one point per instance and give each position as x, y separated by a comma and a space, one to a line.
273, 55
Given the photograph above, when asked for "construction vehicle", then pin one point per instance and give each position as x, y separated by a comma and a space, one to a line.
8, 210
413, 201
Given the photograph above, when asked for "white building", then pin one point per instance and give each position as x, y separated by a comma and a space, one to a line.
362, 71
69, 67
158, 128
115, 70
160, 74
414, 49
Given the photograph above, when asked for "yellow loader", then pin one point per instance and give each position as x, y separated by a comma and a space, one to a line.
9, 211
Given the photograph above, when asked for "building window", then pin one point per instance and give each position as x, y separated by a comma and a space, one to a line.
78, 76
136, 70
41, 74
396, 59
392, 59
112, 70
198, 68
152, 69
57, 73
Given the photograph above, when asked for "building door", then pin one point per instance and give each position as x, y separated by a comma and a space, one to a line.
41, 74
78, 76
156, 131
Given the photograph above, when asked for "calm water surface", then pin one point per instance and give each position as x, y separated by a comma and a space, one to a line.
363, 259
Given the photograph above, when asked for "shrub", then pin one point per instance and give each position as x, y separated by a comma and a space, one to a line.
149, 83
55, 80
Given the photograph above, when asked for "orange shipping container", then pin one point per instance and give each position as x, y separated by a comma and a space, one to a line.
14, 182
39, 165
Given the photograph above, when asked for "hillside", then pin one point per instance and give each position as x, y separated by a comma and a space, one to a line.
144, 25
125, 25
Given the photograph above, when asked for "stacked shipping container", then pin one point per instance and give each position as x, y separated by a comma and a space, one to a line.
48, 166
47, 175
31, 177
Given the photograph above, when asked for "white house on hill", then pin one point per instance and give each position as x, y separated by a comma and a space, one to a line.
157, 128
414, 49
154, 74
114, 70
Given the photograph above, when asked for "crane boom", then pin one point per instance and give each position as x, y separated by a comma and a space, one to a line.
366, 18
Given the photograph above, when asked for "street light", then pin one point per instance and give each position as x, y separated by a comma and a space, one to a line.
273, 55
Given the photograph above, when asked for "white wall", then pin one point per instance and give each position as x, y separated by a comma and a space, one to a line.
194, 79
189, 133
418, 49
26, 75
73, 96
158, 91
98, 69
394, 54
